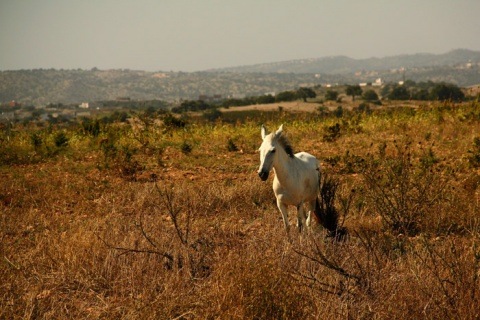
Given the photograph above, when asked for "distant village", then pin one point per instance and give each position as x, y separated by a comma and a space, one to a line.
58, 112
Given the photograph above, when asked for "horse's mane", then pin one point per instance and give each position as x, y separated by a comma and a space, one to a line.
283, 141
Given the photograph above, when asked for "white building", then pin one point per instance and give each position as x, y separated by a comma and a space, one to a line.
378, 82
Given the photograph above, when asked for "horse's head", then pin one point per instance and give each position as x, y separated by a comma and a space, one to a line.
267, 151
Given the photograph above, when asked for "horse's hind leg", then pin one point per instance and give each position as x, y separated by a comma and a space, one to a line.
284, 211
301, 219
311, 209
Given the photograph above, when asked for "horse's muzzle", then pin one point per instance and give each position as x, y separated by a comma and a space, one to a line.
263, 175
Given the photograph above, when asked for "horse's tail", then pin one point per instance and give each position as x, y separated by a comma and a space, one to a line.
325, 215
325, 212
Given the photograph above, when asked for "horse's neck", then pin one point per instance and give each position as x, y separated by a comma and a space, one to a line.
284, 168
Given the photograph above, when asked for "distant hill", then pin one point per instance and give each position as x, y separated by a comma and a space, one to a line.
344, 65
43, 86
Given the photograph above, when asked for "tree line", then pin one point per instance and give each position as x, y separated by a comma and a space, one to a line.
199, 105
423, 91
409, 90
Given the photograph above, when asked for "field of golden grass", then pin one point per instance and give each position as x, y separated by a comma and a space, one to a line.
145, 221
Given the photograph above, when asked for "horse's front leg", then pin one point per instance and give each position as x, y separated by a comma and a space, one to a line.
301, 219
284, 211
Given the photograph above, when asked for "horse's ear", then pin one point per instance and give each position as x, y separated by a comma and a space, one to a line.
279, 131
264, 132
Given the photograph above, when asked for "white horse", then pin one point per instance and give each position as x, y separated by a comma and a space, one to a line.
296, 179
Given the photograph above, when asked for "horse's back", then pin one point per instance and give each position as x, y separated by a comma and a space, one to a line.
311, 170
309, 160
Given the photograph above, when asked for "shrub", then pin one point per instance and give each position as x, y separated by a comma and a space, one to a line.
186, 148
363, 108
338, 112
36, 140
109, 149
192, 105
332, 134
170, 121
474, 157
231, 146
61, 140
212, 115
91, 127
402, 191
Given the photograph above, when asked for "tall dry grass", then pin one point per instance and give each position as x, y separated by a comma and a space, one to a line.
128, 225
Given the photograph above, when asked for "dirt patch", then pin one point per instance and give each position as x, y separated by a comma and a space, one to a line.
294, 106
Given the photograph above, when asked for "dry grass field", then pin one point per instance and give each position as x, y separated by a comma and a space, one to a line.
145, 221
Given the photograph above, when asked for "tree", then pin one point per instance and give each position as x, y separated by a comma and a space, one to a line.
192, 105
445, 91
386, 90
170, 121
233, 103
399, 93
305, 93
353, 91
331, 95
149, 111
265, 99
370, 95
212, 114
286, 96
421, 94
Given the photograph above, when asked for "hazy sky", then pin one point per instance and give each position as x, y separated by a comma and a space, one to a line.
193, 35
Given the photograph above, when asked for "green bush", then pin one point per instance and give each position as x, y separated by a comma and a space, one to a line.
36, 139
61, 140
186, 148
332, 133
231, 146
170, 121
474, 157
91, 127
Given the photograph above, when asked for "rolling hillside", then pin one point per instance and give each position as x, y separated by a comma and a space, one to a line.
345, 65
44, 86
